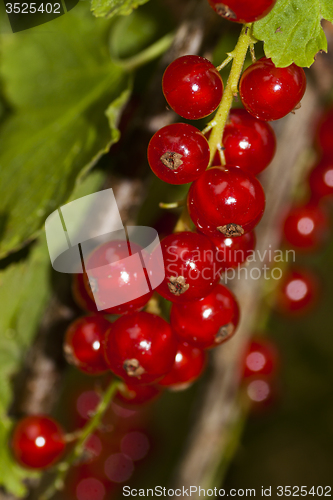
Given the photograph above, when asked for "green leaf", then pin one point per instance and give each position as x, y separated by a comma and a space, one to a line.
24, 292
110, 8
292, 31
58, 128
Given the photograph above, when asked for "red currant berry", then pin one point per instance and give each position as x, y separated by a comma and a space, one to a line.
325, 133
111, 272
84, 344
261, 392
140, 347
136, 395
248, 143
321, 180
190, 362
297, 292
38, 441
232, 252
191, 268
229, 199
178, 153
260, 358
270, 93
192, 87
208, 322
306, 226
241, 11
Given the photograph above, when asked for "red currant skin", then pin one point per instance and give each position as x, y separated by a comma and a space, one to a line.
190, 362
136, 395
192, 87
140, 348
325, 133
229, 199
208, 322
80, 294
306, 226
178, 153
249, 143
84, 344
38, 442
321, 179
232, 252
260, 358
242, 11
270, 93
119, 274
191, 268
297, 292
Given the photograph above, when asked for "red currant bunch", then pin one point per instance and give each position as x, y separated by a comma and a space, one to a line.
38, 442
192, 87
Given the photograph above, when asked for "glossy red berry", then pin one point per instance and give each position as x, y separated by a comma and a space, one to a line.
140, 347
38, 442
207, 322
190, 362
321, 179
192, 87
260, 358
242, 11
178, 153
136, 395
232, 252
230, 200
306, 226
111, 273
81, 296
325, 133
191, 268
248, 143
84, 344
270, 93
297, 292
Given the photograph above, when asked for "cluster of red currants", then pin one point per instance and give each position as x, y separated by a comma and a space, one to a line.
225, 203
306, 225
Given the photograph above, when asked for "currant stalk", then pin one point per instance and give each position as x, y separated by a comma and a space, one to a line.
64, 466
219, 121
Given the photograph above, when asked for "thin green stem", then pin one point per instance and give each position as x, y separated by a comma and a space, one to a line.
64, 466
152, 52
238, 55
175, 204
225, 62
